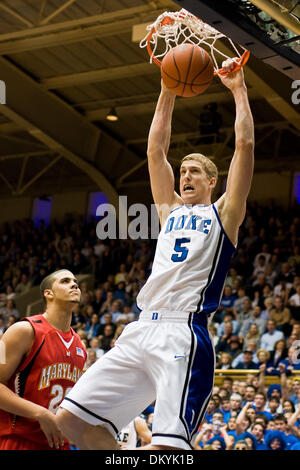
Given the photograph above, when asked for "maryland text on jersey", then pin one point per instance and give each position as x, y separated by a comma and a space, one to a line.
60, 370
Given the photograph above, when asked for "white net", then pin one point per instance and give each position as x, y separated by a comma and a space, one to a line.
173, 28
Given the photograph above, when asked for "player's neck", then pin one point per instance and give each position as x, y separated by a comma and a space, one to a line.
59, 317
202, 202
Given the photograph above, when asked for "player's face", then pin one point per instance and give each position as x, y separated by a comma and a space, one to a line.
66, 288
195, 187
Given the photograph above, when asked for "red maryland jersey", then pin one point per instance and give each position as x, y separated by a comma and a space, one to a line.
50, 370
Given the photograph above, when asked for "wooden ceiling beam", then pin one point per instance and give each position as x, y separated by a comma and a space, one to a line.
81, 29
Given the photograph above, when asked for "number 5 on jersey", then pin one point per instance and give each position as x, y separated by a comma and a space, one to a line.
182, 250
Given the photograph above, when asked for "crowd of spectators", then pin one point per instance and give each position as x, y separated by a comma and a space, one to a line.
257, 325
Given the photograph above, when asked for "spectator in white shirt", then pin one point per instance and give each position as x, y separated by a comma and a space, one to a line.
265, 253
282, 286
272, 335
260, 268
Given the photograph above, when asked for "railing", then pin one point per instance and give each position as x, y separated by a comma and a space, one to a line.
241, 374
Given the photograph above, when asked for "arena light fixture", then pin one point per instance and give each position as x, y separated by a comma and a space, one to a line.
112, 115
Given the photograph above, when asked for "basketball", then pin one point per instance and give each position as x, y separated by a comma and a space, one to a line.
187, 70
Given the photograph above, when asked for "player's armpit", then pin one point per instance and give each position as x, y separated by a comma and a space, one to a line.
231, 217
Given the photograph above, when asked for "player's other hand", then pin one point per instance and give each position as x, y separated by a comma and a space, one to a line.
235, 79
47, 421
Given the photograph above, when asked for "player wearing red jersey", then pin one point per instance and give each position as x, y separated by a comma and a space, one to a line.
44, 358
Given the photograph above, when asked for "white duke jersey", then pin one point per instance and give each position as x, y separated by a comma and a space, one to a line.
190, 264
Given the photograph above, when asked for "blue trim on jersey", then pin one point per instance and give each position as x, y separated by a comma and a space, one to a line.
212, 293
93, 414
190, 206
199, 378
210, 276
221, 226
179, 207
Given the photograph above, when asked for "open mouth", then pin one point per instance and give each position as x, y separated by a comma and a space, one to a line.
188, 188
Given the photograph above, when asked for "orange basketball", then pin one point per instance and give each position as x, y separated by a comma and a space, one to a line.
187, 70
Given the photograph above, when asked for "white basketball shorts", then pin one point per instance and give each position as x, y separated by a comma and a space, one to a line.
163, 357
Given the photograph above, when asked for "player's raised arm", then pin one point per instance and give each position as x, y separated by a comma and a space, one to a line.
242, 164
161, 173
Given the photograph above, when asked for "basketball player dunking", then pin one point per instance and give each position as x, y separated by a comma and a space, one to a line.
168, 354
44, 358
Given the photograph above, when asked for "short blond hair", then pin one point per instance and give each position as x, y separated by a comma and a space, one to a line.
266, 353
208, 165
225, 354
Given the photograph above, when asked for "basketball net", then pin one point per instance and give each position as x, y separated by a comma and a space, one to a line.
174, 28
